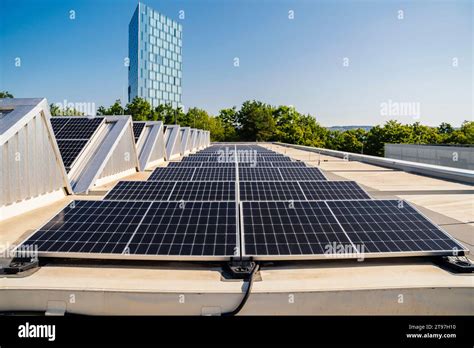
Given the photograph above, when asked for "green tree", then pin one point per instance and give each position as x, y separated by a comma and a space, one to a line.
115, 109
56, 110
198, 118
6, 94
140, 109
391, 132
462, 136
351, 140
228, 121
445, 128
255, 121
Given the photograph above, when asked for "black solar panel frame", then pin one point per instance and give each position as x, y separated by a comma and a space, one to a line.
173, 191
88, 126
138, 128
121, 247
458, 251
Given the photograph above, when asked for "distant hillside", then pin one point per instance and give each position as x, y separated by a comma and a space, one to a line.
344, 128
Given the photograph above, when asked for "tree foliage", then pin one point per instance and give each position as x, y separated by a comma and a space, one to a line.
57, 110
257, 121
6, 94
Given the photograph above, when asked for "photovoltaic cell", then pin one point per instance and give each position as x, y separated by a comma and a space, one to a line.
282, 229
318, 229
184, 165
90, 227
192, 164
195, 229
141, 191
138, 129
300, 191
203, 191
140, 230
58, 123
79, 128
390, 226
259, 174
70, 149
261, 164
188, 211
270, 191
214, 174
171, 174
173, 191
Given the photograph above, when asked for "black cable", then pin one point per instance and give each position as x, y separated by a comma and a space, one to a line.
246, 296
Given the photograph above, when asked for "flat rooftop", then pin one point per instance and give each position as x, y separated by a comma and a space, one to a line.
319, 287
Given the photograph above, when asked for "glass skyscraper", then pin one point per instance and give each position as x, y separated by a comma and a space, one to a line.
154, 46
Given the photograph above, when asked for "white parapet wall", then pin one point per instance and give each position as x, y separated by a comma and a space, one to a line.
151, 145
185, 139
454, 174
172, 142
194, 139
111, 156
32, 172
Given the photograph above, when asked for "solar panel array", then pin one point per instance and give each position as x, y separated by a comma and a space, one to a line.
173, 191
72, 135
240, 200
70, 149
193, 173
138, 128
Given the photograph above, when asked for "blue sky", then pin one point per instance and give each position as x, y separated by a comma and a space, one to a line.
299, 62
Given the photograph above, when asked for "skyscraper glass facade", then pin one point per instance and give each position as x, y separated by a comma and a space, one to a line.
155, 48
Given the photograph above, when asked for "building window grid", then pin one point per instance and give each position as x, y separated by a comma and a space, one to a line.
169, 47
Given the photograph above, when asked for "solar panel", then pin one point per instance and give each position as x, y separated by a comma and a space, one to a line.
138, 128
391, 226
256, 164
288, 164
140, 230
203, 191
342, 229
218, 165
188, 211
332, 190
214, 174
172, 174
259, 174
280, 174
283, 229
58, 123
300, 191
301, 174
270, 191
172, 191
195, 159
194, 229
141, 191
192, 164
261, 164
184, 164
274, 159
192, 174
70, 149
79, 128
